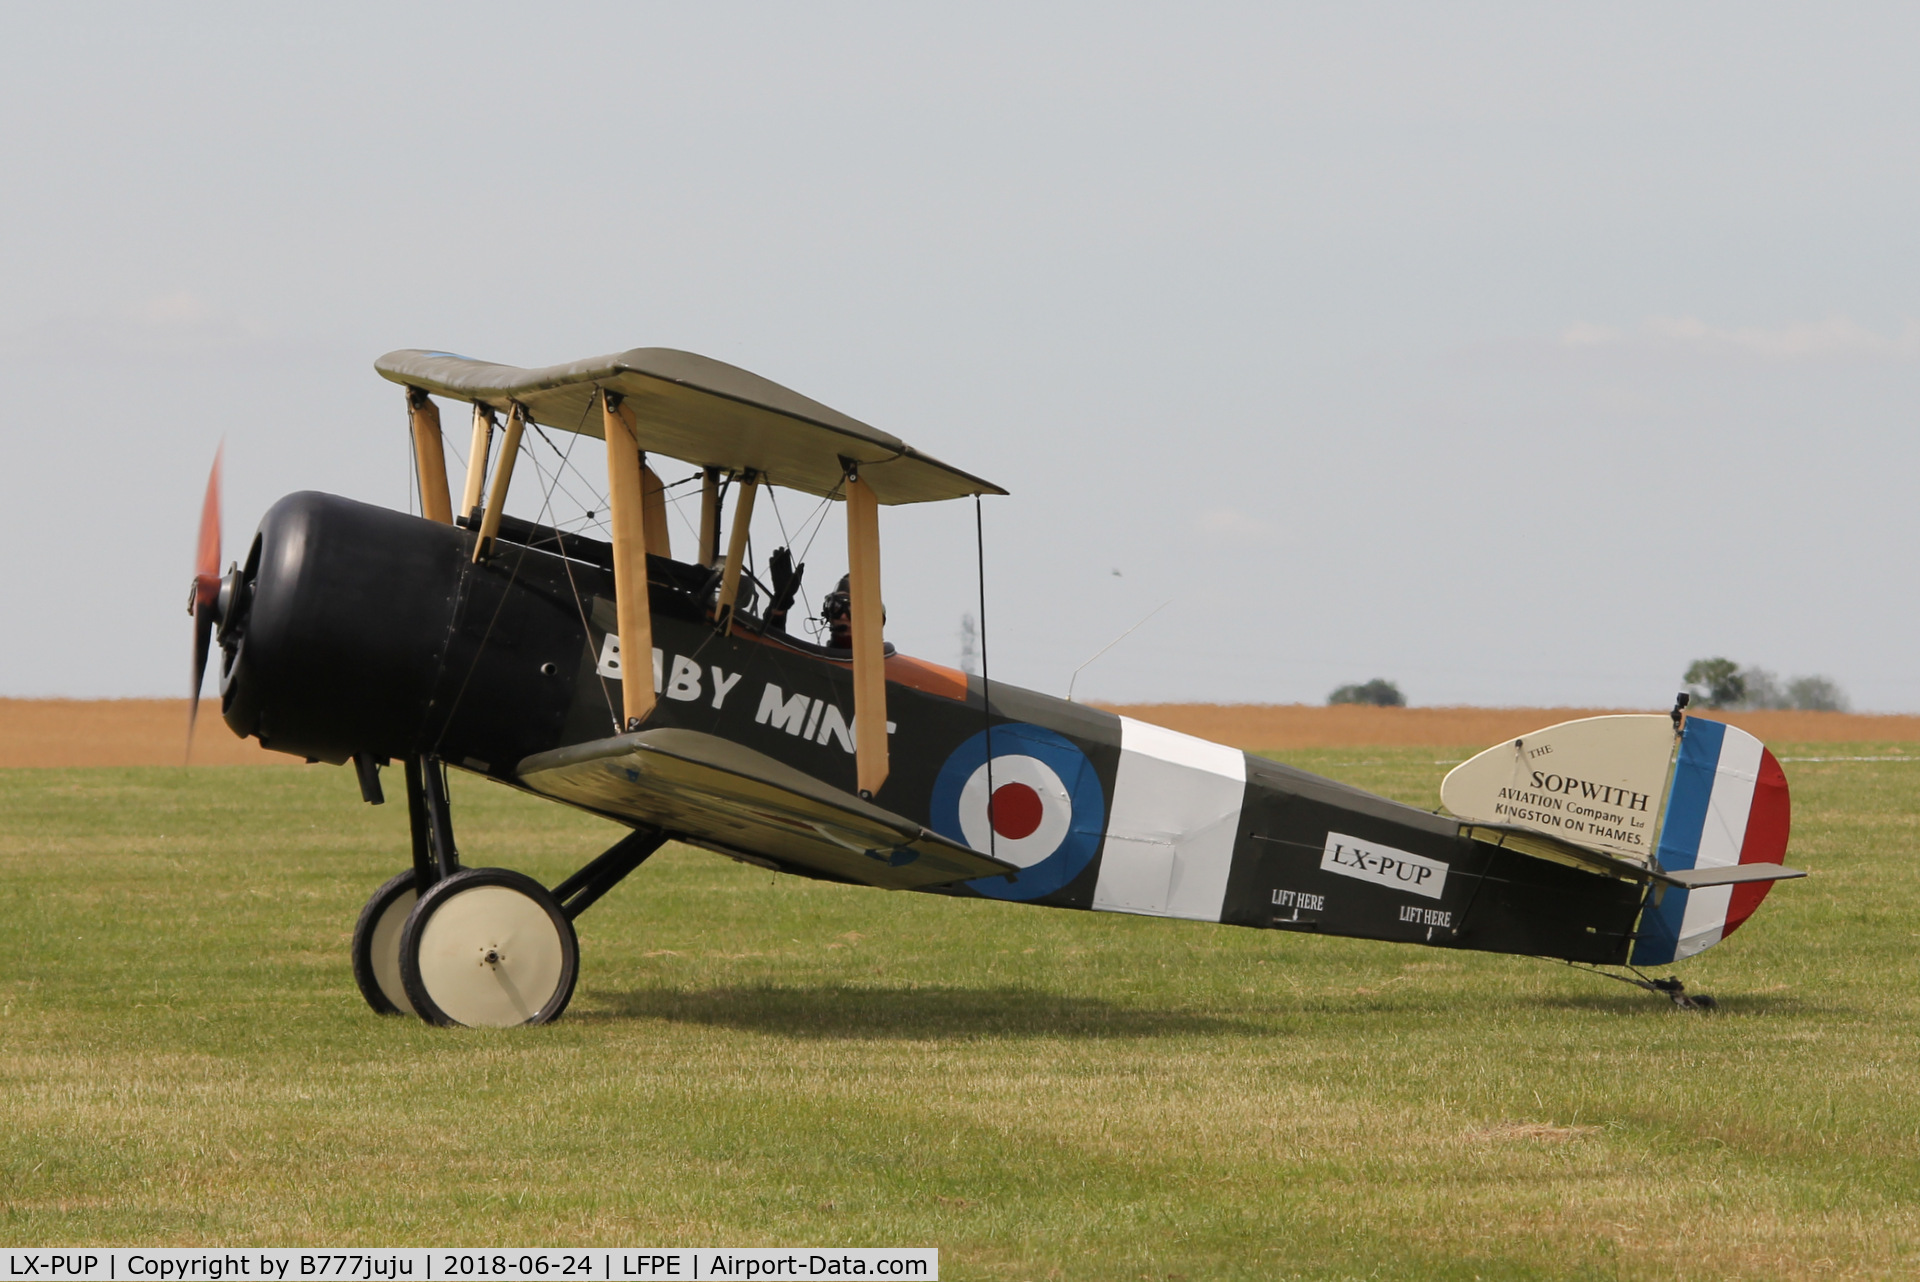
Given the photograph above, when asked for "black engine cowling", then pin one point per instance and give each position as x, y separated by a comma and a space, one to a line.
338, 627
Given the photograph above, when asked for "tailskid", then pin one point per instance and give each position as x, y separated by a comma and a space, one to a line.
1670, 988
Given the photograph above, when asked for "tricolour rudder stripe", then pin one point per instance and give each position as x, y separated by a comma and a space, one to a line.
1727, 805
1687, 799
1766, 843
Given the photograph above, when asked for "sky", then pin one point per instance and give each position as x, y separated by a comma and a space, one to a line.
1518, 354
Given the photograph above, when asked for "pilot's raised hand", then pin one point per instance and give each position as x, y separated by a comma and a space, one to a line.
786, 586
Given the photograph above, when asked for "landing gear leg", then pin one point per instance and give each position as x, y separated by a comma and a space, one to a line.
419, 823
376, 936
437, 818
579, 892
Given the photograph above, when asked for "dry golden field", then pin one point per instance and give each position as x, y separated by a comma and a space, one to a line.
119, 732
152, 732
1289, 727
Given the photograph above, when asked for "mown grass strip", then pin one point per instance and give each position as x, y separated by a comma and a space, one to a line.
755, 1059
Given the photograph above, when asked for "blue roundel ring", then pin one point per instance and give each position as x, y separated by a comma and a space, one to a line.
1085, 827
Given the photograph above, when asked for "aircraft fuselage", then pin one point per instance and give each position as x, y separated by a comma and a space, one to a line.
367, 631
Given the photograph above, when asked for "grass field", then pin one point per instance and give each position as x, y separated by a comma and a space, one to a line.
754, 1059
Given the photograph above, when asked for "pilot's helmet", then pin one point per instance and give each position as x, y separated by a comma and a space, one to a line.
838, 603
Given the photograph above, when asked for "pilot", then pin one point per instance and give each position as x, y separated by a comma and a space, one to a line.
837, 613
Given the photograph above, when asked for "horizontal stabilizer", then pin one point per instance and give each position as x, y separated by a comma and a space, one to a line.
717, 793
1729, 875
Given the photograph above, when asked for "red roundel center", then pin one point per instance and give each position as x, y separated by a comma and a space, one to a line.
1016, 810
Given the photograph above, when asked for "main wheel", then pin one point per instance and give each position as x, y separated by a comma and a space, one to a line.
376, 946
488, 948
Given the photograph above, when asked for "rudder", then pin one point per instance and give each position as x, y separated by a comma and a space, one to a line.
1727, 804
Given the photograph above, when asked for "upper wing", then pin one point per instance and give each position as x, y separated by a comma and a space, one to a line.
718, 793
703, 411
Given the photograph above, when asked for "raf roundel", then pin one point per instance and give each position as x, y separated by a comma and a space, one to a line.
1038, 805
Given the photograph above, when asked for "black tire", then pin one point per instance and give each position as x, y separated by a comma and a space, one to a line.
488, 947
376, 946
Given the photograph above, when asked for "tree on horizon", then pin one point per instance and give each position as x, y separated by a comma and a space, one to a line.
1379, 693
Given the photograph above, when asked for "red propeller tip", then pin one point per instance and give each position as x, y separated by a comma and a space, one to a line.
206, 564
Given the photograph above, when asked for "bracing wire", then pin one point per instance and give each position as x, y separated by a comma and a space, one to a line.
677, 505
606, 691
986, 690
448, 446
545, 513
817, 518
556, 481
414, 499
1116, 641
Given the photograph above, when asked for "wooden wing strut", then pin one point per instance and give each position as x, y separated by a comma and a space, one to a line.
477, 458
736, 550
709, 516
626, 497
502, 478
659, 535
869, 655
429, 457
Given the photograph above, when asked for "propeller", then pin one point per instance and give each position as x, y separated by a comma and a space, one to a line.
206, 591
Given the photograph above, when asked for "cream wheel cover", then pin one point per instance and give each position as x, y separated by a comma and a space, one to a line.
383, 950
490, 957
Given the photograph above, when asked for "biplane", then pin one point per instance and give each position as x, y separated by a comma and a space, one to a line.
667, 695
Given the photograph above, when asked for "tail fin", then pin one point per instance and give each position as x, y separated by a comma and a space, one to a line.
1595, 782
1598, 783
1727, 804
